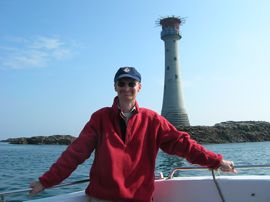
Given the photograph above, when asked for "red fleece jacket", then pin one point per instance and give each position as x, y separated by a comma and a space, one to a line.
125, 170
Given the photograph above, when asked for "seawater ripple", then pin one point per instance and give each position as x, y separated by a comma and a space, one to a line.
21, 164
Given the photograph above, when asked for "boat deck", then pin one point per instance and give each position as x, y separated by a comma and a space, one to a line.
196, 189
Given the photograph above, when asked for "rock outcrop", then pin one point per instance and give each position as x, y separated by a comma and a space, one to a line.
230, 132
54, 139
224, 132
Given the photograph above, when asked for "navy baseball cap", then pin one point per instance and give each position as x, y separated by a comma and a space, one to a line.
127, 72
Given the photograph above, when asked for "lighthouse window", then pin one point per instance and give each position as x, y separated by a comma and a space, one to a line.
176, 76
168, 67
167, 50
175, 58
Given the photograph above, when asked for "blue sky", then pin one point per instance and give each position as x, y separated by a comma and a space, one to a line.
58, 60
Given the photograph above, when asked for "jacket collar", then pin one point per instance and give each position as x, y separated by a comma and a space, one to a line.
116, 108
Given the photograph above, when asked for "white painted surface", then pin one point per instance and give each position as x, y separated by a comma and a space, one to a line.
196, 189
203, 189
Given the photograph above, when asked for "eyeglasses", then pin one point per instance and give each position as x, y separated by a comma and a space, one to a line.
131, 84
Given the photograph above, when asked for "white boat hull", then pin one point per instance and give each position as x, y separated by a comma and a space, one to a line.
196, 189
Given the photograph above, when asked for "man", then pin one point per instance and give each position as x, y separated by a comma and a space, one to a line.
126, 140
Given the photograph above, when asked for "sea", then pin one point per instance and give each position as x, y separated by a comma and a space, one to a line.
22, 164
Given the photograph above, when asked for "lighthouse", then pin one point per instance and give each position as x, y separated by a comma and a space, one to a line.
173, 108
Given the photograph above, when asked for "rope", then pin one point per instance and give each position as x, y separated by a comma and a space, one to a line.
218, 187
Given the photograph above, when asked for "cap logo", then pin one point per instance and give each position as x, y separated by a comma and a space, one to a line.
127, 69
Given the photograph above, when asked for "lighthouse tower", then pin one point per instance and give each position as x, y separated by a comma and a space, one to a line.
173, 102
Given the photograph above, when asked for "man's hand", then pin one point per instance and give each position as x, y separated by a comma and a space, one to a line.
36, 188
227, 166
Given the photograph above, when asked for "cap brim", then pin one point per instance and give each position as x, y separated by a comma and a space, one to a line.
128, 76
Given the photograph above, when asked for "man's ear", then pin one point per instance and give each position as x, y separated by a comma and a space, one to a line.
140, 87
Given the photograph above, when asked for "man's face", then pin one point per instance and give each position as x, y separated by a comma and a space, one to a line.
127, 89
